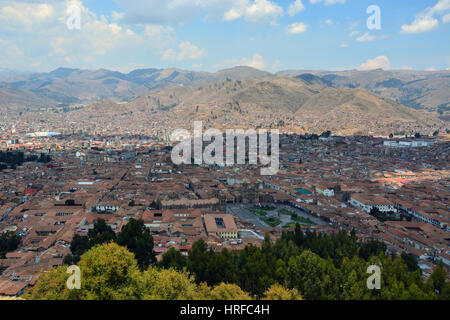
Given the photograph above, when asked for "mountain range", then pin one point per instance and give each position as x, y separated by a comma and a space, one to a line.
65, 86
291, 104
345, 101
417, 89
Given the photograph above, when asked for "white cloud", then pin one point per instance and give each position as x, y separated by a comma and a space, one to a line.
420, 25
446, 18
380, 62
22, 15
160, 12
163, 35
256, 61
366, 37
426, 21
344, 45
257, 11
296, 28
276, 66
430, 69
329, 22
44, 33
327, 2
117, 15
296, 7
353, 33
186, 50
183, 11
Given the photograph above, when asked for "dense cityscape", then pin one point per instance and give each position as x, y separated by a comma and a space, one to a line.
391, 189
208, 158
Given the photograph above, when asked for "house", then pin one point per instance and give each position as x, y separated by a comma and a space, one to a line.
367, 203
12, 288
324, 190
107, 207
221, 225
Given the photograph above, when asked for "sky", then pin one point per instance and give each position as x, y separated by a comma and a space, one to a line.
209, 35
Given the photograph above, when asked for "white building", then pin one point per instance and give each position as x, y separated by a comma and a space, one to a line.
367, 203
408, 144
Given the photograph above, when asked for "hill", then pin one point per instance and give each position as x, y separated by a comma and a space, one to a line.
16, 98
291, 104
427, 90
68, 86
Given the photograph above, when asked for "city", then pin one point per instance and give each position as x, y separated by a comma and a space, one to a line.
396, 195
225, 158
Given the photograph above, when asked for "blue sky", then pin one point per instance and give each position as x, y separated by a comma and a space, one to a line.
210, 35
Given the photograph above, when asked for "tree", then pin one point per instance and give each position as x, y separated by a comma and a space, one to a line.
78, 246
111, 272
277, 292
254, 274
52, 286
410, 261
220, 268
108, 272
137, 238
437, 278
371, 248
298, 235
173, 259
226, 291
101, 233
9, 241
198, 260
307, 273
322, 267
280, 271
69, 260
169, 285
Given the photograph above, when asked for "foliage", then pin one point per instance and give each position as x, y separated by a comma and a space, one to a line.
318, 266
12, 158
137, 238
173, 259
410, 261
277, 292
226, 291
298, 265
51, 286
9, 241
101, 233
17, 158
273, 222
296, 217
169, 284
258, 212
110, 272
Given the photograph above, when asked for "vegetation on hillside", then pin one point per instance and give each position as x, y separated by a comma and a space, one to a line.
111, 272
9, 241
312, 266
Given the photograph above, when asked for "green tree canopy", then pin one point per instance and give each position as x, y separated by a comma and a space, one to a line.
137, 238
